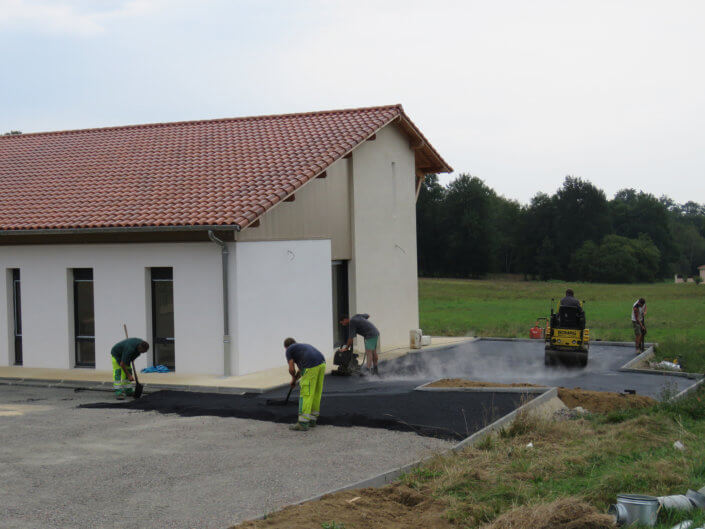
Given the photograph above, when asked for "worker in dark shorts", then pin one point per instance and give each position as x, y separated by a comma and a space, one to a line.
639, 324
361, 324
311, 370
122, 355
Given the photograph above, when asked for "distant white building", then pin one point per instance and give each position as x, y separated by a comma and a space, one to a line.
213, 240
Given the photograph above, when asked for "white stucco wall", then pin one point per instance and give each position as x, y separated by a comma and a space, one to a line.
383, 271
282, 288
121, 295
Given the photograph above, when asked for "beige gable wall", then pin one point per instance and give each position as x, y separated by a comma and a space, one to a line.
383, 270
321, 211
367, 207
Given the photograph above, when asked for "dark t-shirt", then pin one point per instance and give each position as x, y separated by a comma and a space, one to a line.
359, 324
126, 350
304, 355
570, 301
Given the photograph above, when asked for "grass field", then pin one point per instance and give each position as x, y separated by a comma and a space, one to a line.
591, 459
675, 317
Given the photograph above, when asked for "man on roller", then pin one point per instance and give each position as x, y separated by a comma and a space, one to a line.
312, 368
122, 355
360, 324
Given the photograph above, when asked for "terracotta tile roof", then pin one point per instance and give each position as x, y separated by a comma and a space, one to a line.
221, 172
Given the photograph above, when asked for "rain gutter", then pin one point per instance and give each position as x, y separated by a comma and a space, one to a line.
226, 303
119, 229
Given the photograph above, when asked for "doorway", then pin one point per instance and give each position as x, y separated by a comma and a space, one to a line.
340, 301
163, 343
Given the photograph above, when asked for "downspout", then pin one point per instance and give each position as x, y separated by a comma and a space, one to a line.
226, 304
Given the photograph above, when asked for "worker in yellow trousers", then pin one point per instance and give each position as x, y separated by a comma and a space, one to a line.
311, 366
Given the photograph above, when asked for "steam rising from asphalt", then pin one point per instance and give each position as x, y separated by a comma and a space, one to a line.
500, 361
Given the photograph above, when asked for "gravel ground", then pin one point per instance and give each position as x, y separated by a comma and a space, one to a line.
63, 467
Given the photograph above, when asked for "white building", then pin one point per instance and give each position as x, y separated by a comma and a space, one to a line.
213, 240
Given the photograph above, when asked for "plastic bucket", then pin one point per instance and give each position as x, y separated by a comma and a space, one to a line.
640, 509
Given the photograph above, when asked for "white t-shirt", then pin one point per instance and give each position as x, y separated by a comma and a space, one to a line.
641, 311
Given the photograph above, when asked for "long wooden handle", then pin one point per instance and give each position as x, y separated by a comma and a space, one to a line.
124, 326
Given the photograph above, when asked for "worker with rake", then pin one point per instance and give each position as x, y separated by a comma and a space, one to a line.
311, 370
122, 355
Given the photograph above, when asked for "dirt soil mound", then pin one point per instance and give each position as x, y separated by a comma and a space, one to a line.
593, 401
393, 507
602, 401
464, 383
567, 513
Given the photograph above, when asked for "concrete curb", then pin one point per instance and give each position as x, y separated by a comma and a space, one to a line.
390, 476
499, 423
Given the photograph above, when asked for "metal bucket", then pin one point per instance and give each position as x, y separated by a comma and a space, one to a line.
697, 498
679, 502
639, 509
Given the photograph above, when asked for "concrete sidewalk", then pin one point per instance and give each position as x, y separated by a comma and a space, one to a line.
258, 382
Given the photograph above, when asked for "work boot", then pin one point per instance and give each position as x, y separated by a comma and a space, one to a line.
374, 371
119, 395
299, 427
129, 392
312, 423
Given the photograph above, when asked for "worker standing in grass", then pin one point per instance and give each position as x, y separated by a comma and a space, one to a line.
123, 354
639, 324
312, 368
361, 324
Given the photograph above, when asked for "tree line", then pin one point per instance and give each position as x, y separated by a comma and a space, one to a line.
465, 229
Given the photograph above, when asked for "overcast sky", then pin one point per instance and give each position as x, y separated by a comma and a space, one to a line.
518, 93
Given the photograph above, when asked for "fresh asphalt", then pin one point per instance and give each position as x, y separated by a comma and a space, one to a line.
72, 459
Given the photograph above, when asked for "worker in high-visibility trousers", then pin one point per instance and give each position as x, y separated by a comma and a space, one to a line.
311, 370
123, 354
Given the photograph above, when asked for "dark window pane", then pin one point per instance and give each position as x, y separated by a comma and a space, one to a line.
164, 309
18, 308
85, 274
164, 354
162, 273
18, 350
85, 352
85, 324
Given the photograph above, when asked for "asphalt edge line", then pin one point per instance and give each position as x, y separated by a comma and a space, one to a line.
385, 478
687, 391
487, 389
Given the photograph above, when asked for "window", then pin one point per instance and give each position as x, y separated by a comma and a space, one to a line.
17, 313
83, 316
163, 316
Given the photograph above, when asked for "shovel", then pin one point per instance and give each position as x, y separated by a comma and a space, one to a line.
138, 387
274, 402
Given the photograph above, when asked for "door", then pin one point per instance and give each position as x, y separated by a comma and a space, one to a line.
163, 316
340, 301
84, 317
17, 312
